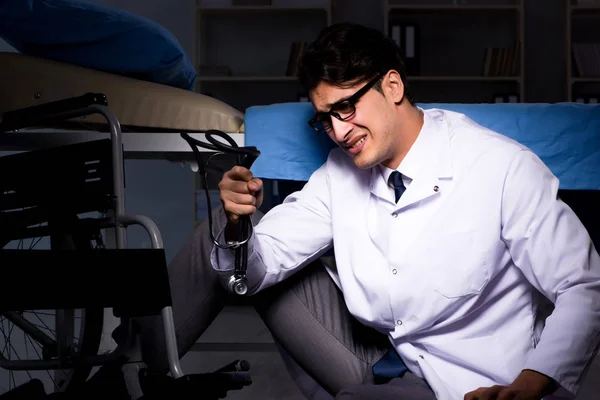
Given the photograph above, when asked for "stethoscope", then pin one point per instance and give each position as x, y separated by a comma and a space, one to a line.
237, 283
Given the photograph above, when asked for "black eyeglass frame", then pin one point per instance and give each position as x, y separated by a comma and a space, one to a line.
350, 101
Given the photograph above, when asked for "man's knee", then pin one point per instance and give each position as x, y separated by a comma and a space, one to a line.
355, 392
408, 387
396, 390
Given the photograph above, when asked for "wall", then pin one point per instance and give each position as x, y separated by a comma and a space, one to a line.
5, 47
163, 190
545, 69
173, 208
175, 15
160, 189
544, 42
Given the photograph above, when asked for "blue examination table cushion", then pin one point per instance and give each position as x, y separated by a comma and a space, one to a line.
98, 37
566, 136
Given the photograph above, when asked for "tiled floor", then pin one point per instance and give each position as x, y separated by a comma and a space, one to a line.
270, 379
238, 333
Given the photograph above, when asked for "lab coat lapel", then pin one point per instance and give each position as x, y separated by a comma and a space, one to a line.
378, 235
428, 161
419, 190
430, 167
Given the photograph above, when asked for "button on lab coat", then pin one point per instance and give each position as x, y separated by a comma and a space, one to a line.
454, 273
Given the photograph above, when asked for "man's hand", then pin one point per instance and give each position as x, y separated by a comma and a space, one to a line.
241, 194
529, 385
503, 393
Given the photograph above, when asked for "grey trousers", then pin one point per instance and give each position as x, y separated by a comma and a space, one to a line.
306, 315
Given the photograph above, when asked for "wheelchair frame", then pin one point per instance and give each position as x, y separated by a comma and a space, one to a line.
75, 108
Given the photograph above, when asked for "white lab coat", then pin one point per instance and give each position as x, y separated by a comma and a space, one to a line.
452, 272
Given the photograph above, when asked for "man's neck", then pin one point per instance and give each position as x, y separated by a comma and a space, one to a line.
412, 119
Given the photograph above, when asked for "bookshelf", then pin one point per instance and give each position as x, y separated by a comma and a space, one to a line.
244, 49
244, 57
482, 41
582, 53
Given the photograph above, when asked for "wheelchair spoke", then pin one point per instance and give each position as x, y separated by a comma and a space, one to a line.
42, 344
11, 377
30, 220
28, 338
30, 329
6, 338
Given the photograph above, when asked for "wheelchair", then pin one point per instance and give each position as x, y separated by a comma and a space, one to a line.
70, 201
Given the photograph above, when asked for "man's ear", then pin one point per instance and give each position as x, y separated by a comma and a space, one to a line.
394, 86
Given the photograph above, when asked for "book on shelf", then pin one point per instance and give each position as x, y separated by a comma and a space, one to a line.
586, 57
251, 2
501, 61
296, 50
300, 3
506, 98
592, 3
302, 98
587, 99
406, 35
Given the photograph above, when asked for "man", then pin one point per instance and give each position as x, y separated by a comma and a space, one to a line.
446, 236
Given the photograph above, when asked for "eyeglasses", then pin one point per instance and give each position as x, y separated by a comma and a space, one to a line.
341, 110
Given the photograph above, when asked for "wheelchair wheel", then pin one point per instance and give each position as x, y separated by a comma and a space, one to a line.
35, 335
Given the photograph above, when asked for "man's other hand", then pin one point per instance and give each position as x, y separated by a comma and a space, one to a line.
503, 393
529, 385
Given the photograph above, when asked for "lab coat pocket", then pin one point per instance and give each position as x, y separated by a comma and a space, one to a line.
458, 264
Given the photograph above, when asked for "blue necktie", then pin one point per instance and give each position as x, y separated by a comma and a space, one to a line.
391, 365
396, 181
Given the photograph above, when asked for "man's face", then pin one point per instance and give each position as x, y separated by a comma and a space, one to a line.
365, 135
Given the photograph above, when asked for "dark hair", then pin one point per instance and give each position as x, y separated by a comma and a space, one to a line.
348, 53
